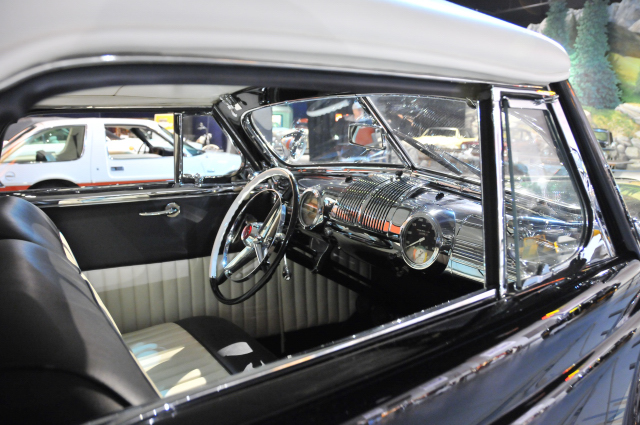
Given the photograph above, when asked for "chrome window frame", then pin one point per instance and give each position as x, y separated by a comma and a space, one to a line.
568, 144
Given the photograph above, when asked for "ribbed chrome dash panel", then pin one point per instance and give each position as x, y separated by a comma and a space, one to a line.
368, 201
349, 206
375, 210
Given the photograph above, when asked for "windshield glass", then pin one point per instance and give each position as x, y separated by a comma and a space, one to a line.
337, 129
439, 134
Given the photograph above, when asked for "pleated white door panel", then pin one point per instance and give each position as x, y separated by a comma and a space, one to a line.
150, 294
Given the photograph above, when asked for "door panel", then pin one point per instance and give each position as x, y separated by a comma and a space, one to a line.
149, 294
115, 235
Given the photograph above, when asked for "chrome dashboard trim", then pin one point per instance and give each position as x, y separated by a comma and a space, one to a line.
148, 412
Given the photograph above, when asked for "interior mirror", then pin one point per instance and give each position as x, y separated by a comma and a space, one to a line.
368, 136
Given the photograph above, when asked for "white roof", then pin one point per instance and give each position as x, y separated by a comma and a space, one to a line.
195, 95
431, 37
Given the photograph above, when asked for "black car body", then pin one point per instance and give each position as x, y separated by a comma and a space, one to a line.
395, 281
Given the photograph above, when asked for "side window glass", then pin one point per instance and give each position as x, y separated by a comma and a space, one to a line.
545, 216
50, 145
105, 152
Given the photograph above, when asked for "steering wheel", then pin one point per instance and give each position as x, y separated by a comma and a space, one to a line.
262, 244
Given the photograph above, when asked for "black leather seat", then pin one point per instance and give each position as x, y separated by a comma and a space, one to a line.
63, 358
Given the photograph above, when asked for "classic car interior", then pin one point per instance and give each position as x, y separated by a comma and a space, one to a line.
339, 222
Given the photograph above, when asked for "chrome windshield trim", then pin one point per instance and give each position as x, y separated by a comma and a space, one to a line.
149, 411
120, 59
75, 199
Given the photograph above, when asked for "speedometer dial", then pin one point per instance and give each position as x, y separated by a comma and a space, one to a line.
420, 241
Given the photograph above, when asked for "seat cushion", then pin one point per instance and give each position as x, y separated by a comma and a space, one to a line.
181, 356
173, 359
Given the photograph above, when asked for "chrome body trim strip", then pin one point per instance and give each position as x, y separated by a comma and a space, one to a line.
149, 411
59, 200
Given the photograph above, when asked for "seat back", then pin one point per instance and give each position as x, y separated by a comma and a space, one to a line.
62, 358
73, 148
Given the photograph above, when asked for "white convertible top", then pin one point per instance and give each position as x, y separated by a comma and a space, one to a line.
428, 37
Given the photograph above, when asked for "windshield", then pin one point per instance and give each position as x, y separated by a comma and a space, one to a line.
317, 131
438, 134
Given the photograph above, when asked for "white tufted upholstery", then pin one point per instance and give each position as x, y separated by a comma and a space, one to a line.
146, 295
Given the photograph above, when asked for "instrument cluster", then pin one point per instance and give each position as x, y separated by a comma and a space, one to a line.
385, 213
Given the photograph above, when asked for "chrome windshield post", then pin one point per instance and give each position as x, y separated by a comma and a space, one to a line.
177, 148
492, 175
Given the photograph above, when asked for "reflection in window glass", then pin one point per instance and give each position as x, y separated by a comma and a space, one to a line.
439, 134
50, 145
545, 218
327, 130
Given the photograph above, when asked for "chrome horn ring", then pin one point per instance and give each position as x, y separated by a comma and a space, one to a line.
264, 243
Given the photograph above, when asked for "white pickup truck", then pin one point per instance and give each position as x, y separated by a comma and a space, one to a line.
101, 151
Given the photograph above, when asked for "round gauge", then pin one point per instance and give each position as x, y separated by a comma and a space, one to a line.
310, 208
420, 240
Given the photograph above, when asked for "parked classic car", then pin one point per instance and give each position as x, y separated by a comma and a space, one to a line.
448, 138
98, 151
371, 279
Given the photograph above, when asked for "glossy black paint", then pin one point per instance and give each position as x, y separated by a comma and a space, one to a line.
381, 372
378, 374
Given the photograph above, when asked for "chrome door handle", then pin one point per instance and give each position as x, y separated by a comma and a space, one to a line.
171, 210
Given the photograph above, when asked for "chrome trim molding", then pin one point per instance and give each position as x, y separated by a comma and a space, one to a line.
438, 240
319, 209
152, 410
177, 149
75, 199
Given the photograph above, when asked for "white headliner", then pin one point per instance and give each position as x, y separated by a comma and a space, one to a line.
431, 37
142, 96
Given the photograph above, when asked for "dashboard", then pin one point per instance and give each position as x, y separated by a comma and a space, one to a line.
409, 224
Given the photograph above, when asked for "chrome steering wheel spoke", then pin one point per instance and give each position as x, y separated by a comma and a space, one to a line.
264, 242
